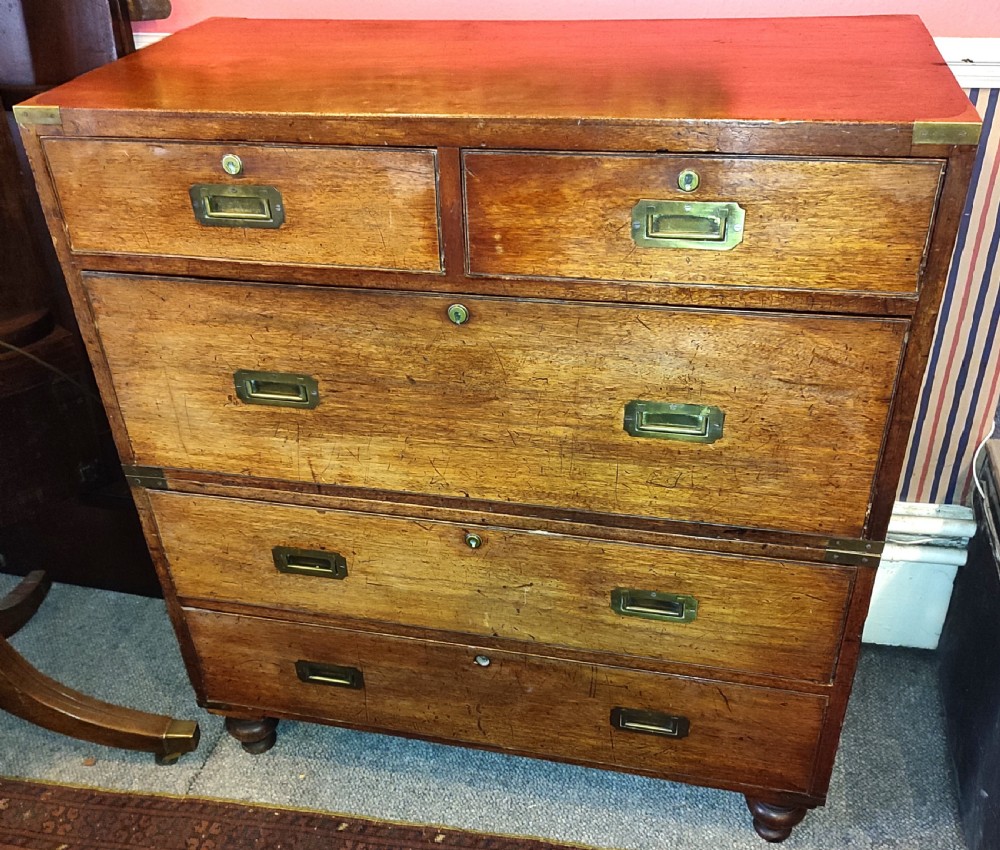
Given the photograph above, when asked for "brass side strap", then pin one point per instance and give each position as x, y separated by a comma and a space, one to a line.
150, 477
854, 553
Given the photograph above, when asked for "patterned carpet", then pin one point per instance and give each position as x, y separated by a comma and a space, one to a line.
40, 816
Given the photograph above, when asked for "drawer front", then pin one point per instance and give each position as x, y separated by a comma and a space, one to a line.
775, 618
527, 402
352, 207
527, 704
809, 224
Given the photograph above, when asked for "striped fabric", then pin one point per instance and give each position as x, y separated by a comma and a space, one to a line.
961, 388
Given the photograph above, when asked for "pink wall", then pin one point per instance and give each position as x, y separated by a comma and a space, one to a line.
969, 18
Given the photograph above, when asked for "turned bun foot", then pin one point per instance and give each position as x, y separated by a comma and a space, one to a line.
774, 823
256, 736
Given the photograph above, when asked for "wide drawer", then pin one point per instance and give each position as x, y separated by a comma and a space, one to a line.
809, 224
530, 402
355, 207
774, 618
724, 733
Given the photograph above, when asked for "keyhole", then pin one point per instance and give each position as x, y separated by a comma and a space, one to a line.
232, 164
688, 180
458, 313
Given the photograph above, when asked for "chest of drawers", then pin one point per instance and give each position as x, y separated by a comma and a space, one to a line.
533, 386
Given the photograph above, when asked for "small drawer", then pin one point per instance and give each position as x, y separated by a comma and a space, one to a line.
789, 223
702, 730
775, 618
752, 420
352, 207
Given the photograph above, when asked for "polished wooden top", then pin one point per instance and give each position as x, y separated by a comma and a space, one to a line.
882, 70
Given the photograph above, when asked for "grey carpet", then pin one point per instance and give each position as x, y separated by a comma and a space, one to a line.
891, 787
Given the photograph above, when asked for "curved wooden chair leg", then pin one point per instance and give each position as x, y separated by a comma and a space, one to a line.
32, 696
18, 606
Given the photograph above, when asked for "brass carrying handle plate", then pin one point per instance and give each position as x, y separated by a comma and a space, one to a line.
650, 722
701, 225
277, 389
654, 605
309, 562
236, 205
314, 673
662, 420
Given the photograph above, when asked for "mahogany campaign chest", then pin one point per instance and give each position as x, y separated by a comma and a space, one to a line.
540, 387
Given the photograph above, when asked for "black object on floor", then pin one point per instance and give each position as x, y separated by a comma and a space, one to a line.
970, 673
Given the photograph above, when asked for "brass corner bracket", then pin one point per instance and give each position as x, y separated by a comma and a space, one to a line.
946, 132
27, 113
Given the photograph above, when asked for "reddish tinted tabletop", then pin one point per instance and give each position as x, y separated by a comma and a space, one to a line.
882, 69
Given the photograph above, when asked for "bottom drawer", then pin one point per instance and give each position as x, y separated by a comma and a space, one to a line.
695, 729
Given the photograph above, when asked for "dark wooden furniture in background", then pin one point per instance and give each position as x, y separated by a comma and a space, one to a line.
440, 417
58, 502
63, 502
969, 655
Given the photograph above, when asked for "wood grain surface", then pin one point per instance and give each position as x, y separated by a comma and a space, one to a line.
522, 703
882, 70
949, 215
343, 207
769, 617
810, 224
495, 165
524, 403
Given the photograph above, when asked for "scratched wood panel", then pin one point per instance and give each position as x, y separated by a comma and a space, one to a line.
343, 207
770, 617
810, 224
763, 71
524, 403
524, 703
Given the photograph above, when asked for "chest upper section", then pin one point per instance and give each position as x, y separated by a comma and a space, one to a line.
786, 223
664, 270
671, 162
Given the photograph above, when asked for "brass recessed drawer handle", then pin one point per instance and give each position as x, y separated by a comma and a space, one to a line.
309, 562
278, 389
654, 605
314, 673
650, 722
702, 225
236, 205
693, 423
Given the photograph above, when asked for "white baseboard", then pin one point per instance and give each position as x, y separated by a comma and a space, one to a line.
927, 546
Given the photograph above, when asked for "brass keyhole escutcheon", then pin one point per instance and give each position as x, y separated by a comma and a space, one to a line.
688, 180
232, 164
473, 541
458, 313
